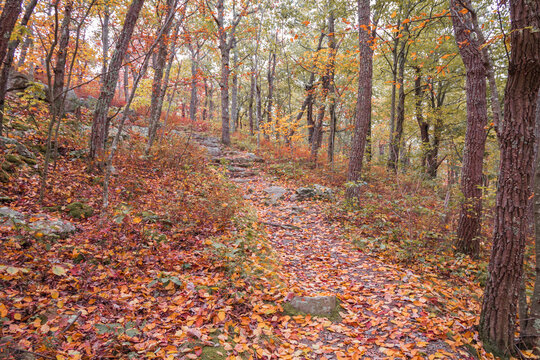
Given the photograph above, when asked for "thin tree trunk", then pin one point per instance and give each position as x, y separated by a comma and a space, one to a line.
397, 134
251, 101
269, 99
55, 91
156, 101
126, 78
234, 90
24, 50
517, 140
8, 60
326, 88
469, 226
100, 124
105, 41
363, 105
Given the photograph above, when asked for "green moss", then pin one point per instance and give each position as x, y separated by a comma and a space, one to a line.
29, 161
8, 167
334, 316
4, 176
14, 159
20, 126
213, 353
79, 210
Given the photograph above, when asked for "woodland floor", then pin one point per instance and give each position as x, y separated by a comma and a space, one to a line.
164, 274
387, 312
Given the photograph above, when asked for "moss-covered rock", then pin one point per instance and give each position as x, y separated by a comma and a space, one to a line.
79, 210
4, 176
20, 126
14, 159
8, 167
28, 160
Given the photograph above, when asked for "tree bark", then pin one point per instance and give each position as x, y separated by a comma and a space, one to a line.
100, 124
8, 61
395, 144
158, 84
8, 18
363, 105
517, 139
325, 90
269, 99
234, 91
105, 41
469, 226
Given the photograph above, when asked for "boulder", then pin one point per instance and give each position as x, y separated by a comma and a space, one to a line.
72, 102
17, 81
10, 217
275, 193
20, 148
139, 130
49, 227
314, 192
79, 210
315, 305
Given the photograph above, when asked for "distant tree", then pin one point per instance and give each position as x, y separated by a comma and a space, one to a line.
226, 41
517, 138
363, 104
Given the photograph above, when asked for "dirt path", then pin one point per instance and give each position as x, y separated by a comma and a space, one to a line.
387, 313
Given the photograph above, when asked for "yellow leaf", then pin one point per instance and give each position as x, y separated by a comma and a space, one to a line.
54, 294
137, 220
3, 310
17, 316
393, 15
221, 315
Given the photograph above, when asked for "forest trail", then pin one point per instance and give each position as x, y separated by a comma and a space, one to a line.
386, 312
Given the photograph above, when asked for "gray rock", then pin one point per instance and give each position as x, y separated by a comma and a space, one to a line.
275, 193
10, 217
72, 102
17, 81
212, 150
21, 149
315, 305
139, 130
52, 227
314, 191
89, 103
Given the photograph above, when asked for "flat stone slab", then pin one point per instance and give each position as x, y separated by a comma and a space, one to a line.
315, 305
275, 193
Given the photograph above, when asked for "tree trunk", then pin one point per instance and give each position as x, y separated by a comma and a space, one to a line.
57, 103
224, 93
326, 89
126, 78
363, 105
8, 18
517, 139
105, 42
530, 323
100, 124
469, 226
193, 96
156, 101
251, 101
234, 91
422, 123
395, 145
8, 60
24, 50
269, 100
